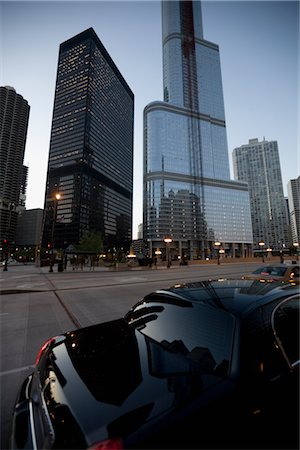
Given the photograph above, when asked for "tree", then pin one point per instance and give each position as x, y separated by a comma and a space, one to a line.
91, 242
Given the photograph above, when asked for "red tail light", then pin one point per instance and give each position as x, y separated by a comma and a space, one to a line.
47, 344
109, 444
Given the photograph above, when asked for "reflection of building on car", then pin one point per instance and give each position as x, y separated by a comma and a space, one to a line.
281, 272
218, 352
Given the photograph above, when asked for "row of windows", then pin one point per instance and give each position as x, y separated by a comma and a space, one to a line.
225, 211
180, 144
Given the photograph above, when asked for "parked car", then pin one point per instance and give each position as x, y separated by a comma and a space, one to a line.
288, 273
202, 365
9, 261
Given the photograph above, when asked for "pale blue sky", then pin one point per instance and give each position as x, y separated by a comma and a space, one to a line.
259, 48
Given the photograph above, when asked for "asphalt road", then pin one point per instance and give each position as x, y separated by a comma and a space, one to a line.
36, 305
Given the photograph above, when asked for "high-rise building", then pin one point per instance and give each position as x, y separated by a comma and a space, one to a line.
294, 209
14, 115
258, 164
29, 227
91, 148
188, 194
23, 188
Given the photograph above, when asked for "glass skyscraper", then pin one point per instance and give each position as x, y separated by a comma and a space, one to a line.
257, 163
188, 193
91, 148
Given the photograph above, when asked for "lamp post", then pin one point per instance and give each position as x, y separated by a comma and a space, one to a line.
217, 244
57, 197
167, 241
11, 207
157, 255
262, 244
269, 251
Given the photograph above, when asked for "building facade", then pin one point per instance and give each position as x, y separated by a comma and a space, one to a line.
188, 193
29, 227
91, 148
258, 164
294, 209
14, 116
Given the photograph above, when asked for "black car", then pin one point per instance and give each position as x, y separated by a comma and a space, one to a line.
203, 365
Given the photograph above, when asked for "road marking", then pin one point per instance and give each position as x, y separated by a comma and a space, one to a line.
131, 279
19, 369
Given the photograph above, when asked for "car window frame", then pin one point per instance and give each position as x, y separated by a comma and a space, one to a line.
281, 346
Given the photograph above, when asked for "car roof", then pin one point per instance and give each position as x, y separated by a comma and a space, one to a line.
233, 295
286, 266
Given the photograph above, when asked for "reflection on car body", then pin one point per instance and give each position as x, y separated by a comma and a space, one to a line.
221, 352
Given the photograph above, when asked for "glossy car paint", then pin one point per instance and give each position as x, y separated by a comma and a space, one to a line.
123, 379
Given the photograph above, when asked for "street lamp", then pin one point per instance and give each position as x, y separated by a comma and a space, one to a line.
57, 198
168, 241
11, 207
217, 244
157, 255
262, 244
269, 250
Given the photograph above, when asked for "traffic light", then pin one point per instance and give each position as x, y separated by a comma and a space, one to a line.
49, 245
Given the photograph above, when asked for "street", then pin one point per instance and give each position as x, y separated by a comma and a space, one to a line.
36, 305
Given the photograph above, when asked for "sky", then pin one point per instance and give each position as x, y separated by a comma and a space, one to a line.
259, 50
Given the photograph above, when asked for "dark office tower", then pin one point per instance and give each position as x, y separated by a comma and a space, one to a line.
91, 148
258, 164
188, 194
14, 114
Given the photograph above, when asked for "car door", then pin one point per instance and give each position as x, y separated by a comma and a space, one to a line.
281, 370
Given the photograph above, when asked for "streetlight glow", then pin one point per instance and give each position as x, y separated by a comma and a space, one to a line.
168, 241
262, 244
56, 199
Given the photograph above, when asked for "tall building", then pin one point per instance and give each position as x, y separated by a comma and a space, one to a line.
294, 209
188, 193
258, 164
14, 115
23, 188
29, 227
91, 148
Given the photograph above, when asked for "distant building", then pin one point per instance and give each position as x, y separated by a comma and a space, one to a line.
294, 208
91, 148
257, 163
188, 194
29, 227
140, 231
287, 209
14, 115
23, 188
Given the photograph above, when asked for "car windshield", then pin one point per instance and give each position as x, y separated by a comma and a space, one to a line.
189, 340
271, 270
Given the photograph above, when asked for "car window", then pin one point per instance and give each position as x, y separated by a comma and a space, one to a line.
260, 355
198, 338
271, 270
286, 328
